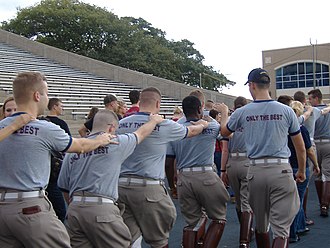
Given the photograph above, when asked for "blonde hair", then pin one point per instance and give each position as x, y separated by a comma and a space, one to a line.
26, 83
177, 110
297, 107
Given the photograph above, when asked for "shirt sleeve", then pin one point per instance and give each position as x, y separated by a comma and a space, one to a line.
170, 150
175, 131
127, 144
57, 139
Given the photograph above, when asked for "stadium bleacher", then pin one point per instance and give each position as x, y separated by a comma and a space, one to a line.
79, 90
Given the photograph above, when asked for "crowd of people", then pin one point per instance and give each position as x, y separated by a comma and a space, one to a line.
107, 189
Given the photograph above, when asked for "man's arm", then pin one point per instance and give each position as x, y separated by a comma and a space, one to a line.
19, 122
312, 156
223, 109
299, 146
308, 112
148, 127
325, 110
224, 160
196, 128
82, 145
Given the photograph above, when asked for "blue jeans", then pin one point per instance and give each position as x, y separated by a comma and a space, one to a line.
299, 223
55, 196
217, 161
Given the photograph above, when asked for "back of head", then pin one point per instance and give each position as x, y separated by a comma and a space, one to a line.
149, 96
52, 102
134, 96
108, 99
285, 99
260, 77
297, 107
191, 106
102, 119
299, 96
240, 102
199, 94
213, 113
25, 84
209, 104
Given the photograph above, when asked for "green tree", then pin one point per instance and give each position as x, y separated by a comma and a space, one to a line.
128, 42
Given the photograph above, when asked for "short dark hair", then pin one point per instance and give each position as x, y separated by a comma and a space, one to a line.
134, 96
109, 98
299, 96
52, 102
213, 113
316, 93
285, 99
240, 101
191, 105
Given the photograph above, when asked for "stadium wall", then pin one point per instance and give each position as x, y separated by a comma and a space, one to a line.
112, 72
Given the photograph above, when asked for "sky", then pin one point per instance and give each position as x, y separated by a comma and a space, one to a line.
231, 35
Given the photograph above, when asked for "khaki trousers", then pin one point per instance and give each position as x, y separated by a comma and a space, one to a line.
36, 226
97, 225
237, 169
273, 197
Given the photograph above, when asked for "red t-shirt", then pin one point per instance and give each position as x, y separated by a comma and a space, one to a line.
132, 110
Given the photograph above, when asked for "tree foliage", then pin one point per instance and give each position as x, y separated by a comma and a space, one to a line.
128, 42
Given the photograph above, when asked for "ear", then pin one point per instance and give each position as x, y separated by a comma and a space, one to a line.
199, 110
36, 96
158, 104
112, 129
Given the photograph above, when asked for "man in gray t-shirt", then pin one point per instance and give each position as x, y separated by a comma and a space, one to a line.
199, 186
234, 168
322, 142
271, 185
148, 208
90, 180
26, 216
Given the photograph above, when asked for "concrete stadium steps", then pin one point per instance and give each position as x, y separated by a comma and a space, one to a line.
79, 90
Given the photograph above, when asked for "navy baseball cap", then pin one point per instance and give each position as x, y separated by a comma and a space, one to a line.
256, 74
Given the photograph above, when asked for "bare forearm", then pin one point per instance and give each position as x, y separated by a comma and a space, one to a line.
195, 130
5, 132
224, 156
82, 145
312, 156
224, 130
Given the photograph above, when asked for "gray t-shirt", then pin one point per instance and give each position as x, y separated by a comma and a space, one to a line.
148, 159
97, 171
237, 141
266, 125
322, 125
310, 122
25, 155
197, 150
